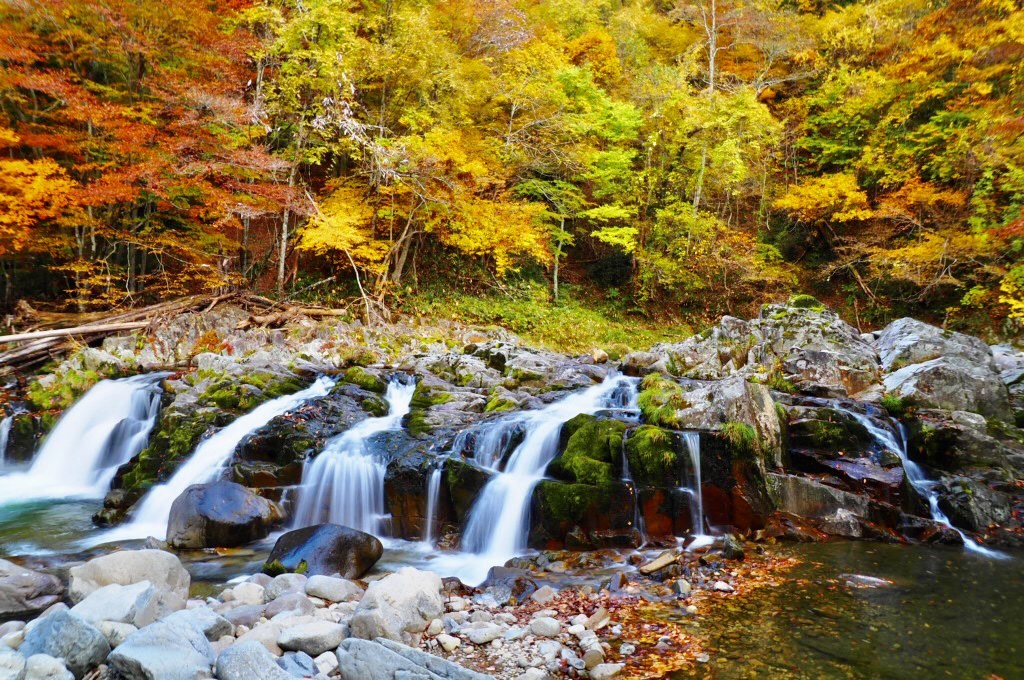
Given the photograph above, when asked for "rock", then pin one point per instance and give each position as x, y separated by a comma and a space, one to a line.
298, 664
682, 586
328, 549
545, 626
210, 623
12, 665
360, 659
399, 606
972, 505
326, 663
296, 603
267, 635
945, 383
605, 671
594, 656
165, 650
137, 604
313, 638
333, 589
23, 591
599, 356
909, 341
543, 595
436, 627
507, 584
45, 667
115, 631
722, 587
247, 594
483, 633
448, 643
249, 661
534, 674
162, 569
810, 499
69, 637
598, 620
220, 514
660, 562
246, 615
285, 583
732, 547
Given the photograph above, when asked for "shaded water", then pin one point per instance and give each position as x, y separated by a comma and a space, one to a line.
947, 613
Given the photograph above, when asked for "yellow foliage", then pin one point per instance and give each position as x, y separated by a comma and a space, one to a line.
30, 192
499, 228
343, 225
830, 198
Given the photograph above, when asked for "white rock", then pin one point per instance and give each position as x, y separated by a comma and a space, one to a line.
44, 667
436, 627
326, 663
543, 595
399, 606
248, 593
545, 626
266, 634
313, 638
483, 633
723, 587
285, 583
448, 642
137, 604
593, 657
534, 674
115, 631
163, 569
12, 665
333, 589
605, 671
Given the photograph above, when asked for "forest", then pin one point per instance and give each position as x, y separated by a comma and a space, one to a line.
660, 159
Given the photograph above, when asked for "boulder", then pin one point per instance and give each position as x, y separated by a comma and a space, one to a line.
332, 589
45, 667
361, 659
67, 636
137, 604
220, 514
210, 623
951, 384
12, 665
399, 606
283, 584
313, 638
908, 341
972, 505
328, 549
24, 592
162, 569
165, 650
249, 661
115, 632
294, 603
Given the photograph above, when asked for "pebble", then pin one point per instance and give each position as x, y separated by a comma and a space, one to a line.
605, 671
543, 595
448, 642
593, 657
484, 634
457, 604
533, 674
545, 626
579, 620
436, 627
723, 587
626, 649
326, 663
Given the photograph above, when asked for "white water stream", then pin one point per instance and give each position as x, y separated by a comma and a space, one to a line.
5, 433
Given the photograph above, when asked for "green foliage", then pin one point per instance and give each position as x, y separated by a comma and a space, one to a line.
60, 390
660, 399
653, 456
805, 302
592, 452
896, 406
742, 439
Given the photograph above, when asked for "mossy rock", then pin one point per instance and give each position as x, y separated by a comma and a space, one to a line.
174, 438
464, 481
423, 399
497, 404
805, 302
742, 440
593, 452
567, 504
375, 406
60, 390
829, 431
654, 458
660, 400
359, 376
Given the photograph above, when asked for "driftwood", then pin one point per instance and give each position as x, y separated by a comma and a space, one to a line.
34, 346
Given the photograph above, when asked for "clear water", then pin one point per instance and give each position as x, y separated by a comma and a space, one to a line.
433, 491
344, 484
947, 614
5, 433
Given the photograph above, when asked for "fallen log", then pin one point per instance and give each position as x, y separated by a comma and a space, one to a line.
92, 329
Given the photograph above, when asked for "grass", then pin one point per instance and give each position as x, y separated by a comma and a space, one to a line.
577, 323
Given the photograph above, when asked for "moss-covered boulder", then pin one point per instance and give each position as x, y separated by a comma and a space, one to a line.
582, 516
592, 453
654, 457
365, 378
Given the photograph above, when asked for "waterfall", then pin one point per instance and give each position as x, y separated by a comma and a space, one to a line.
498, 522
692, 441
206, 464
915, 475
433, 490
5, 433
103, 430
345, 483
627, 479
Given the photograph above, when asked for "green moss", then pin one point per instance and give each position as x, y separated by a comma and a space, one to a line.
357, 375
653, 456
521, 375
742, 439
805, 302
274, 568
570, 503
62, 390
497, 403
592, 452
660, 400
375, 406
174, 438
422, 399
896, 406
357, 355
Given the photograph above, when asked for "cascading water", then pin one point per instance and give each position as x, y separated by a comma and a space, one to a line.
345, 483
433, 490
5, 433
915, 474
692, 441
101, 431
627, 479
499, 520
206, 464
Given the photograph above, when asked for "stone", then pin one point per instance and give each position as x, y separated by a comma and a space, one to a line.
220, 514
360, 659
45, 667
248, 594
543, 595
248, 661
534, 674
165, 650
909, 341
162, 569
593, 656
945, 383
115, 631
298, 664
285, 583
326, 663
69, 637
483, 633
246, 615
23, 591
328, 549
213, 625
137, 604
295, 603
722, 587
12, 665
313, 638
660, 562
436, 627
682, 586
333, 589
449, 643
507, 584
545, 626
265, 634
399, 606
605, 671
